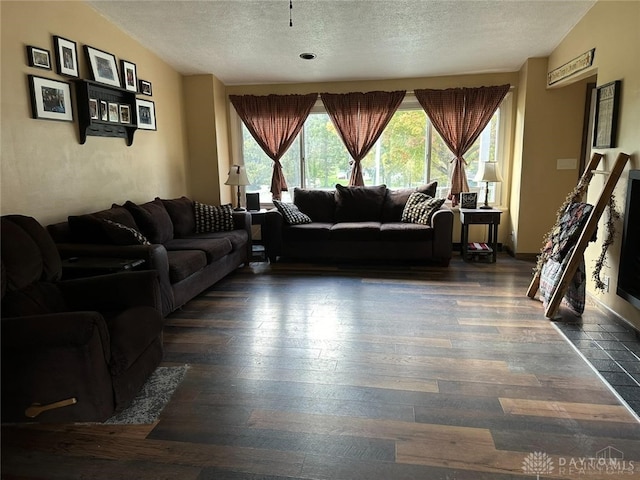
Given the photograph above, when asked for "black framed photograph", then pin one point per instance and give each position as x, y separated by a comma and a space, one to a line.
38, 57
114, 112
104, 111
146, 114
103, 66
125, 114
469, 200
144, 87
606, 119
94, 113
129, 76
66, 56
50, 99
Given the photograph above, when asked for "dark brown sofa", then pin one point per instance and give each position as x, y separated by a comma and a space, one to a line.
187, 262
360, 223
91, 342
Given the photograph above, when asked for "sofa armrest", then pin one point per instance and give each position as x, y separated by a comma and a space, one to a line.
442, 224
53, 357
117, 291
242, 221
154, 255
272, 234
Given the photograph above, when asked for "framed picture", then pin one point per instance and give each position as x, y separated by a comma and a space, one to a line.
104, 111
129, 77
125, 114
66, 56
146, 114
114, 112
38, 57
606, 119
103, 66
50, 99
468, 200
93, 109
144, 87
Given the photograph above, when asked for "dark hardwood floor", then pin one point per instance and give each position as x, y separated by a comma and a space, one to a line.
358, 372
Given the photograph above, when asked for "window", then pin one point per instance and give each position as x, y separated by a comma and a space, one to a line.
409, 153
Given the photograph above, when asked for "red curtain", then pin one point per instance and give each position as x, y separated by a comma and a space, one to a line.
459, 115
360, 119
274, 121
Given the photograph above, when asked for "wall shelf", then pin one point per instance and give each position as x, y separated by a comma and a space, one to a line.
86, 90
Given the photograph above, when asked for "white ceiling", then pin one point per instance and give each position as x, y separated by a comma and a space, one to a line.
251, 42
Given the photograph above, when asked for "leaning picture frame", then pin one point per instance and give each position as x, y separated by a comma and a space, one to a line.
146, 113
129, 76
606, 116
50, 99
38, 57
469, 200
103, 66
66, 56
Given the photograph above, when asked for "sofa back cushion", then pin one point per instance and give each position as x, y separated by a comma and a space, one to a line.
153, 220
319, 205
88, 228
182, 215
359, 204
396, 199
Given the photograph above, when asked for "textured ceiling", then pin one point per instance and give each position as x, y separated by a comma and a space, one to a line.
251, 42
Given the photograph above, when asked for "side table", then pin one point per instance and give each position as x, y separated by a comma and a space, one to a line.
480, 216
78, 267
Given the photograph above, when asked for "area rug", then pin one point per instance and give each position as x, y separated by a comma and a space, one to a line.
153, 397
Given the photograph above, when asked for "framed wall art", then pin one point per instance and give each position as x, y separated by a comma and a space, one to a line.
50, 99
606, 118
144, 87
469, 200
104, 111
129, 77
114, 112
66, 56
146, 110
103, 66
38, 57
93, 109
125, 114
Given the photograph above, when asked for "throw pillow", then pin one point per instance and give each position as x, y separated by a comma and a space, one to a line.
212, 218
291, 214
319, 205
420, 208
359, 204
396, 199
120, 234
180, 211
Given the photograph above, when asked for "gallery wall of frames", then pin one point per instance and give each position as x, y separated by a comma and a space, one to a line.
107, 104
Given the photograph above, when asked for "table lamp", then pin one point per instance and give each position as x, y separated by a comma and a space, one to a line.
488, 172
237, 177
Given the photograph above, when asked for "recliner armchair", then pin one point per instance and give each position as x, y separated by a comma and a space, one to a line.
77, 350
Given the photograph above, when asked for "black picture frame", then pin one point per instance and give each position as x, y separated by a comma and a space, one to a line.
146, 114
38, 57
50, 99
125, 113
66, 57
103, 66
605, 129
129, 75
145, 87
469, 200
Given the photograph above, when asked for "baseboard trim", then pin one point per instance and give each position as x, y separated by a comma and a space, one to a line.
617, 317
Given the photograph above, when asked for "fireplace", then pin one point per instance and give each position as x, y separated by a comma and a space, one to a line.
629, 272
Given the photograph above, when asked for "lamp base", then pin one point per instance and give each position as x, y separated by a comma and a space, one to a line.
485, 207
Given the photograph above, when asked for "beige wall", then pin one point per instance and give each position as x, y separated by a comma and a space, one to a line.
46, 173
612, 28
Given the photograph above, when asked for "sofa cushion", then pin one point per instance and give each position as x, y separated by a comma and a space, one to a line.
184, 263
319, 205
291, 214
182, 215
396, 199
213, 218
89, 228
356, 231
238, 238
405, 232
359, 204
120, 234
214, 248
153, 220
420, 208
307, 232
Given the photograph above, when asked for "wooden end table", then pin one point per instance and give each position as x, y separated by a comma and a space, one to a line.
480, 216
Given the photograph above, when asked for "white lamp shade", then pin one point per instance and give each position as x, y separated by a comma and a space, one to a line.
237, 176
488, 172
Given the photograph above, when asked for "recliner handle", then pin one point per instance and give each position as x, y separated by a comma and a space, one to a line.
36, 409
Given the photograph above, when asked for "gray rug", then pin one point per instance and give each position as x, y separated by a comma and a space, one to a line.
153, 397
